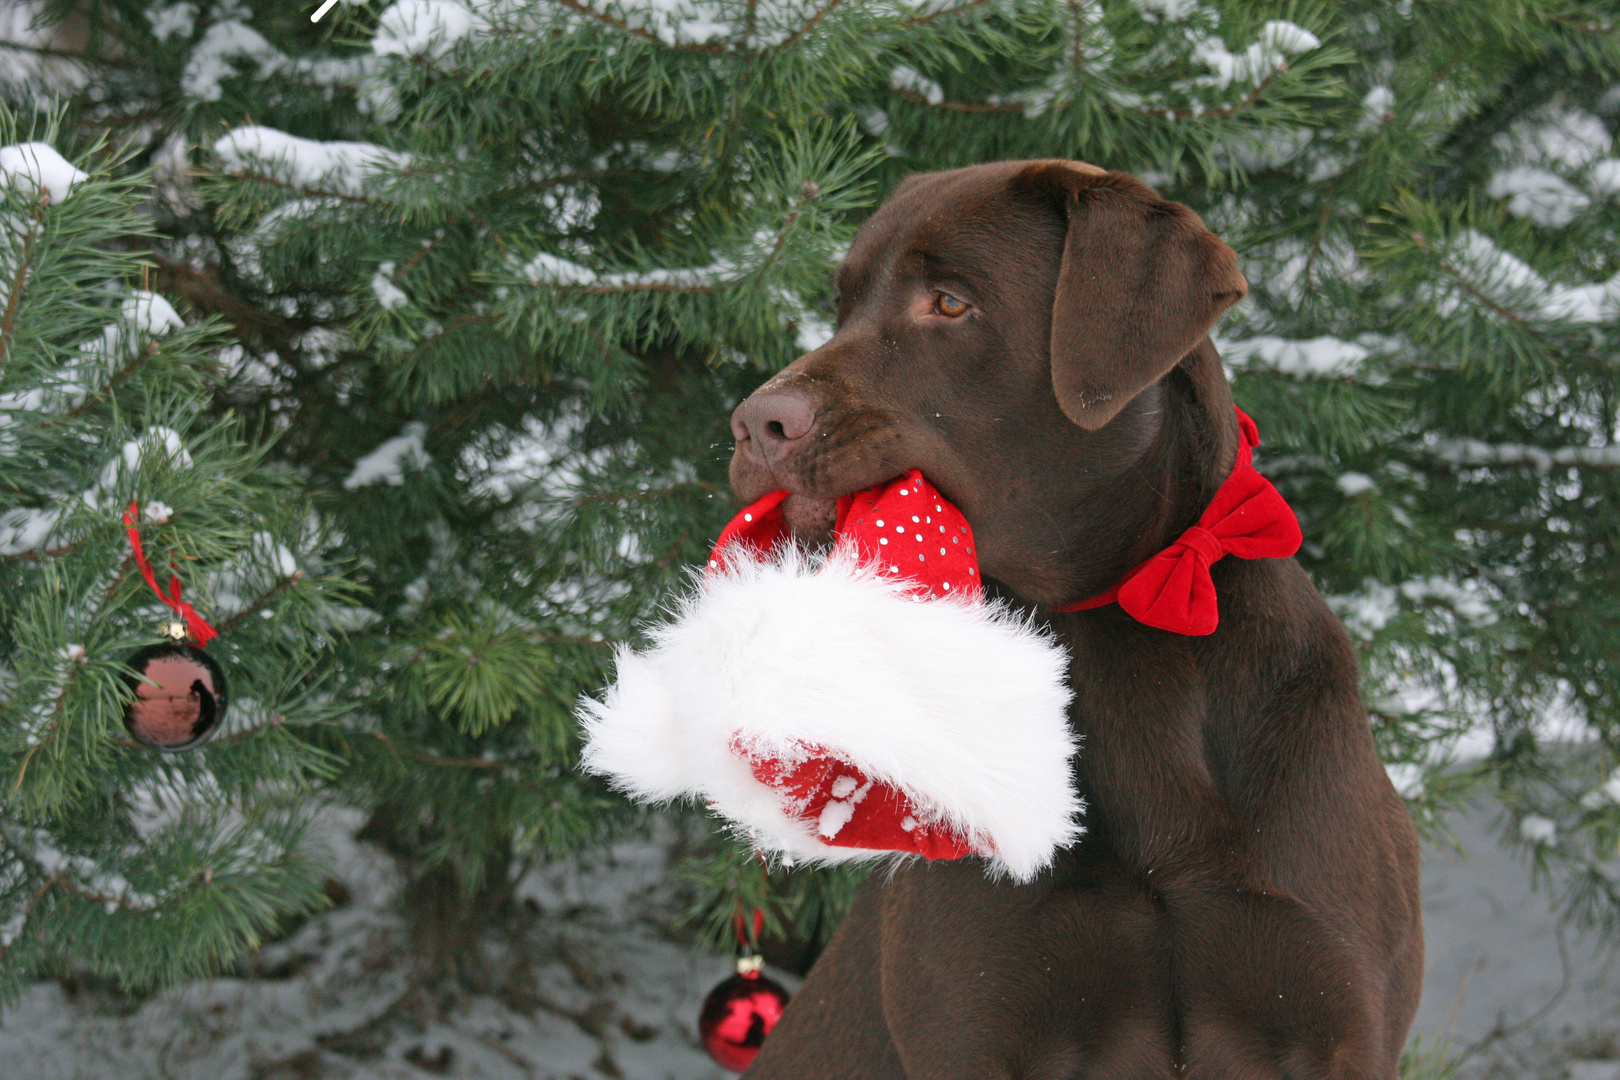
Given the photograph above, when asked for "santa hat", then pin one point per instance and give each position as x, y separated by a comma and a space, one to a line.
851, 706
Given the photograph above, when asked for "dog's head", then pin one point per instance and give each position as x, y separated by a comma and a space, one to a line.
1008, 329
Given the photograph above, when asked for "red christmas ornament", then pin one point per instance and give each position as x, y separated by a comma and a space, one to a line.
739, 1013
178, 691
179, 696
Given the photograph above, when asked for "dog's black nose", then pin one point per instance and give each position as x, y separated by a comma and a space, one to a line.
772, 422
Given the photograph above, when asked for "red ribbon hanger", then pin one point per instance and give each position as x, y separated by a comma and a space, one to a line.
197, 628
1248, 517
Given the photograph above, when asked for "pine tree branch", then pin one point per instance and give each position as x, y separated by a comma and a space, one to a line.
494, 233
957, 106
75, 661
284, 584
8, 321
1421, 242
205, 292
1243, 105
1316, 244
529, 187
1584, 26
809, 192
1077, 57
275, 721
637, 286
1524, 90
675, 549
66, 883
566, 639
804, 31
48, 553
113, 383
922, 20
1473, 455
636, 496
1156, 111
456, 763
59, 54
315, 193
27, 909
640, 32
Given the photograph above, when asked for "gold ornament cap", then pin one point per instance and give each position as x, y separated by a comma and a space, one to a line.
749, 965
174, 630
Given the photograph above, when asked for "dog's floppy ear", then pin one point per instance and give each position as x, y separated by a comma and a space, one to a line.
1141, 282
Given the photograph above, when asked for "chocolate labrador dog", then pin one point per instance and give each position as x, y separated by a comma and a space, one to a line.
1033, 336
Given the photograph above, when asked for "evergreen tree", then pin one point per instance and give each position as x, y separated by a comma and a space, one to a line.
133, 864
498, 271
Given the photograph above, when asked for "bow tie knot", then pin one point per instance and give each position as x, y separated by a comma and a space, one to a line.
1204, 542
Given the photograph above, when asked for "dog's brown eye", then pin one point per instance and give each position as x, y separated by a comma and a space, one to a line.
946, 304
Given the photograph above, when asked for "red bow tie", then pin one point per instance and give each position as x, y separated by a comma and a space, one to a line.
1247, 517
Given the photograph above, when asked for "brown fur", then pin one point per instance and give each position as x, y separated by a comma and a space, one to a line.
1245, 903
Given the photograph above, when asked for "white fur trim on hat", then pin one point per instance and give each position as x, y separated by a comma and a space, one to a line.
959, 705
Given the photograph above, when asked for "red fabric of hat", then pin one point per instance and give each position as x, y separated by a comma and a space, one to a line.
907, 529
904, 527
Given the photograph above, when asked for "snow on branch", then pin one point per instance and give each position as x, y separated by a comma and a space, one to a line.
1544, 197
388, 462
231, 48
142, 317
77, 873
922, 87
428, 28
26, 530
547, 269
1506, 285
1322, 357
1478, 452
1277, 41
326, 168
712, 25
1092, 47
37, 167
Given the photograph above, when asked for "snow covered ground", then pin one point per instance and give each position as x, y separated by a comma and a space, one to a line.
601, 989
1515, 993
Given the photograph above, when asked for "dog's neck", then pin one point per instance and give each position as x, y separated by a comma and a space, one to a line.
1190, 442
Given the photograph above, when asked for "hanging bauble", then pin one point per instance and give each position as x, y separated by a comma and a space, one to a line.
179, 695
739, 1013
179, 690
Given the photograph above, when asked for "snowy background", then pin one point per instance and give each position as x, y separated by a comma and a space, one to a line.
597, 985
